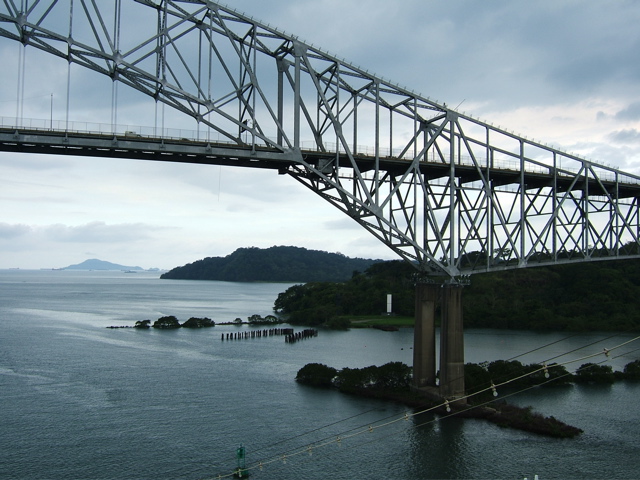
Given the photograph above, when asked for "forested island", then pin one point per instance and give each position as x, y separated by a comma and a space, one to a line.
589, 296
170, 322
393, 381
274, 264
333, 288
586, 296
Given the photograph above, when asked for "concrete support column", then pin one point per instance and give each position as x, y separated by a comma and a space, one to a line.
451, 343
424, 336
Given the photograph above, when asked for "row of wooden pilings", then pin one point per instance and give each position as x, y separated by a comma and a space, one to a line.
304, 334
271, 332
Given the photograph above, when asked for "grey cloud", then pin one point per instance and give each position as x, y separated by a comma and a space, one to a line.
342, 224
545, 52
623, 155
625, 136
98, 232
525, 53
9, 231
632, 112
501, 51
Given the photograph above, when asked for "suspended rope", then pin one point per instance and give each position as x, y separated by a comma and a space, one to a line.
577, 349
313, 430
371, 428
549, 360
542, 347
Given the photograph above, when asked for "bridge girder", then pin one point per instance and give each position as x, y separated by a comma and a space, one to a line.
447, 192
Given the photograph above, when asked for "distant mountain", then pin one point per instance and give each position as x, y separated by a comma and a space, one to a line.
95, 264
274, 264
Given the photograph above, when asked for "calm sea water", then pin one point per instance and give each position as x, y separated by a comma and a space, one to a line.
80, 401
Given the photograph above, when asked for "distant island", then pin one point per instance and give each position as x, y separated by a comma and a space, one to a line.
274, 264
95, 264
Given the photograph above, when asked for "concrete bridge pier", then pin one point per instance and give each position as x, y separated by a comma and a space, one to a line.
424, 336
451, 383
451, 343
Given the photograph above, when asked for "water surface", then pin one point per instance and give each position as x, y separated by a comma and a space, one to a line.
78, 400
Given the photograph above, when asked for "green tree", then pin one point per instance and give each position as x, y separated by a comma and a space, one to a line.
316, 374
391, 376
195, 322
476, 379
632, 370
167, 322
578, 297
317, 303
394, 376
355, 379
255, 318
594, 373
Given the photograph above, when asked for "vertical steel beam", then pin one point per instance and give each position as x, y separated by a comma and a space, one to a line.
200, 92
355, 124
254, 89
453, 240
116, 49
490, 199
377, 144
280, 100
296, 95
523, 206
69, 59
555, 205
390, 133
586, 233
616, 238
338, 124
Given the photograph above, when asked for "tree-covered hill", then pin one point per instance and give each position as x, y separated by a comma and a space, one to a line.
274, 264
579, 297
365, 293
583, 296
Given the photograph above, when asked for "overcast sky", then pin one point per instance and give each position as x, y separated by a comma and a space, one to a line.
564, 72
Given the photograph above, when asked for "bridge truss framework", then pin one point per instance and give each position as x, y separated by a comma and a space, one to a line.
447, 192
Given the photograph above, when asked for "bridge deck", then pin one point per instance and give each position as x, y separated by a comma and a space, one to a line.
133, 146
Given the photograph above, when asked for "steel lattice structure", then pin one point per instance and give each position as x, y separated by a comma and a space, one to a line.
447, 192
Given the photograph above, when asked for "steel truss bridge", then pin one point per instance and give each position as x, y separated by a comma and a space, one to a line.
447, 192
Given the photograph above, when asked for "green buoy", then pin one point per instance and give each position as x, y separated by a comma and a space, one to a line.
241, 469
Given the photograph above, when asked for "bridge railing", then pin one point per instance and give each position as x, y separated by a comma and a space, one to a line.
93, 128
207, 135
